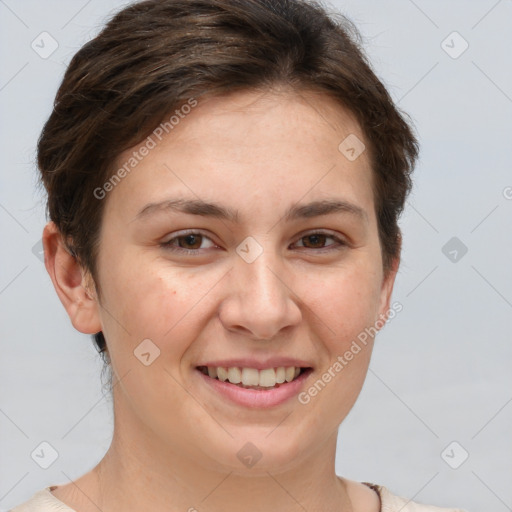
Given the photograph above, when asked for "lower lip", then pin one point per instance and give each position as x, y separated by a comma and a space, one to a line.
254, 398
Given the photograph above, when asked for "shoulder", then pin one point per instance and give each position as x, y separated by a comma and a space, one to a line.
45, 501
393, 503
42, 501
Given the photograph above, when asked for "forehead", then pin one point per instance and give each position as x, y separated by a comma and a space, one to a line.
280, 108
254, 144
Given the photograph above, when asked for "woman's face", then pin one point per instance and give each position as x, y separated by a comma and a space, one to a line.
248, 269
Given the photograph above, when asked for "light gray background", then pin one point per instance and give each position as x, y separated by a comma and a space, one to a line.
441, 369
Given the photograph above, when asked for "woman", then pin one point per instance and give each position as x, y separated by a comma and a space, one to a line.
224, 182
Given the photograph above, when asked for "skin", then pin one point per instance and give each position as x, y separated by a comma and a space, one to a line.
175, 441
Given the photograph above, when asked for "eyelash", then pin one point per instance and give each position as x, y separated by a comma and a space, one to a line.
195, 252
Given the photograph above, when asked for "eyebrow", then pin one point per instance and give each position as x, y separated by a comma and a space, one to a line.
297, 211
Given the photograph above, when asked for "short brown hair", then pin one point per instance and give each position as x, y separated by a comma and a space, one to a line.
155, 55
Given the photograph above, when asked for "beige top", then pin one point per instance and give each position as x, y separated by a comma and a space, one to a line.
45, 501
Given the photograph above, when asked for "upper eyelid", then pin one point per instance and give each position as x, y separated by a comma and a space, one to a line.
187, 233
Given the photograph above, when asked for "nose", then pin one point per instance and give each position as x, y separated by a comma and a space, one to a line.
259, 302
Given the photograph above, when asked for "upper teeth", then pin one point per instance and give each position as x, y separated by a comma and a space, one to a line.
253, 377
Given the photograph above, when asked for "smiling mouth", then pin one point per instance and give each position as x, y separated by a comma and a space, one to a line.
251, 378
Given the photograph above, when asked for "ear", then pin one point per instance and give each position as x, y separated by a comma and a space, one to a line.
70, 282
387, 286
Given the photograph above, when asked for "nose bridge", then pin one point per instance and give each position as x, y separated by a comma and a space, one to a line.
258, 270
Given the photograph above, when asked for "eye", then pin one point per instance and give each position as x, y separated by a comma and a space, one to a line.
317, 240
189, 242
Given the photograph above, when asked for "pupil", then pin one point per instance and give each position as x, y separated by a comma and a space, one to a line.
316, 239
192, 240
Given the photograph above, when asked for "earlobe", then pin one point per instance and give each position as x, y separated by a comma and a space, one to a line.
69, 280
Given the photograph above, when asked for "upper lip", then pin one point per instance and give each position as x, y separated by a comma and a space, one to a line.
258, 364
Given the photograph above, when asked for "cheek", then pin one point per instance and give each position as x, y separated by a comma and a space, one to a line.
162, 305
345, 301
345, 305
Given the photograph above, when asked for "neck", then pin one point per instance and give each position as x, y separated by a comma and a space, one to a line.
137, 476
